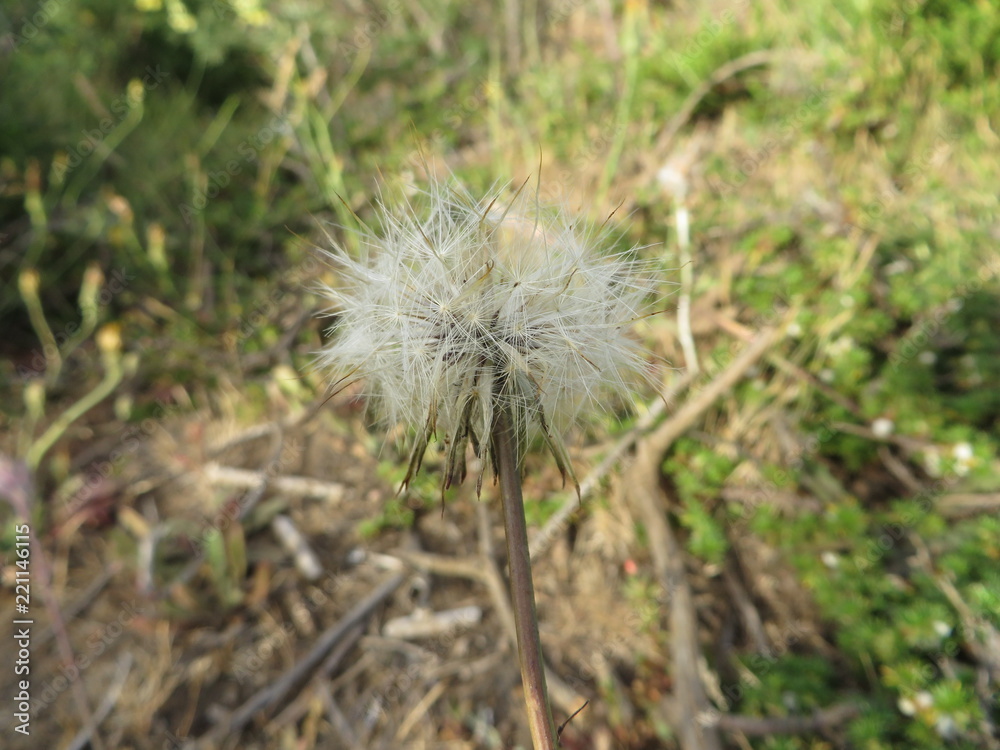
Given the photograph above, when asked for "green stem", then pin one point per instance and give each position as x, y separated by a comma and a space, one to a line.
522, 590
113, 375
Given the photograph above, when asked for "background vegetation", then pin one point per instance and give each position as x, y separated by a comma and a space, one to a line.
166, 167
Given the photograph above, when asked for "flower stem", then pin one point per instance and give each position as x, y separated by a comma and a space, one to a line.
522, 590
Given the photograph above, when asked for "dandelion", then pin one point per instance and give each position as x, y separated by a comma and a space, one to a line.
487, 324
472, 310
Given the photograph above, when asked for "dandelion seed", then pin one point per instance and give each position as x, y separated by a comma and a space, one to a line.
466, 309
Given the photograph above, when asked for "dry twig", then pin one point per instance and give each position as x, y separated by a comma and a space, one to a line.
277, 690
689, 701
245, 479
86, 734
485, 571
665, 141
543, 537
819, 721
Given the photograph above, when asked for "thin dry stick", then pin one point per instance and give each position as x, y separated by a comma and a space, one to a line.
820, 720
689, 702
574, 501
277, 690
304, 702
665, 140
247, 503
663, 437
247, 479
86, 734
146, 483
62, 636
80, 603
483, 570
682, 221
522, 590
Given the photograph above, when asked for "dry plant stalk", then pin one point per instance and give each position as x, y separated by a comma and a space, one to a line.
490, 324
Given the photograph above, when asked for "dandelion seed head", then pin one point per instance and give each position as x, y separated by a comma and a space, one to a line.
461, 308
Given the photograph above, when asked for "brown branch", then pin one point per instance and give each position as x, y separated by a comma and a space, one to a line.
689, 702
818, 721
663, 437
86, 734
276, 691
484, 570
665, 140
543, 538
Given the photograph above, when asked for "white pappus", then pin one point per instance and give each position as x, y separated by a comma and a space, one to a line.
461, 308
